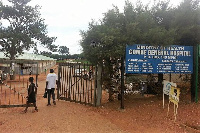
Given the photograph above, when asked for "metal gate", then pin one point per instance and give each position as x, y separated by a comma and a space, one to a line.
13, 92
77, 83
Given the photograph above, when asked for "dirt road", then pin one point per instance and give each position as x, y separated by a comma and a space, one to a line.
141, 115
63, 117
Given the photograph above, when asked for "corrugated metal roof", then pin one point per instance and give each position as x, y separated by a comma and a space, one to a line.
28, 56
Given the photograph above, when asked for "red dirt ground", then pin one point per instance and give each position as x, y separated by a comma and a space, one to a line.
141, 115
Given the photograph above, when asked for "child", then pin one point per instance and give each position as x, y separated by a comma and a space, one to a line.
31, 98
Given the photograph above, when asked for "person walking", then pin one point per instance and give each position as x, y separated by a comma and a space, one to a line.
51, 82
45, 70
32, 92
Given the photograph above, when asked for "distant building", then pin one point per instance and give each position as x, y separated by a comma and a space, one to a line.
27, 62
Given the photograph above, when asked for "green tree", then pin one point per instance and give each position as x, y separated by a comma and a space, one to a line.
104, 39
187, 23
22, 28
63, 50
45, 53
160, 24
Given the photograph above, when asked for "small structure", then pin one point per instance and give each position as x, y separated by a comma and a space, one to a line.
25, 62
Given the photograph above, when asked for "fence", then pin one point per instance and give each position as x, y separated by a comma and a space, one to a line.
77, 83
182, 80
146, 83
13, 92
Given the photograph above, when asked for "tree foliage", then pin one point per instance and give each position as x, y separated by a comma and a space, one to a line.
187, 22
61, 57
22, 28
63, 50
46, 53
155, 24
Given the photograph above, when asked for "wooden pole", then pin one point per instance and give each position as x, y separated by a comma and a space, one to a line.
122, 82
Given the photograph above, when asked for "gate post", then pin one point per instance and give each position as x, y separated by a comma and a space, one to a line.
37, 74
58, 84
95, 88
99, 87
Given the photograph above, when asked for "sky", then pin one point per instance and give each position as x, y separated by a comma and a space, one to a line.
65, 18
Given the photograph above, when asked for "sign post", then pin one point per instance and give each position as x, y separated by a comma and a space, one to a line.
197, 72
166, 89
194, 80
122, 82
145, 59
174, 98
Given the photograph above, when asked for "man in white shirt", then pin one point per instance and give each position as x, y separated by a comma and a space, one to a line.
51, 82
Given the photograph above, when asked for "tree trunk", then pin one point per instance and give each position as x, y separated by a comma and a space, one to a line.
160, 79
12, 70
12, 66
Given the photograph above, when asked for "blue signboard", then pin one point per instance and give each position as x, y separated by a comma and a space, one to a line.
142, 58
